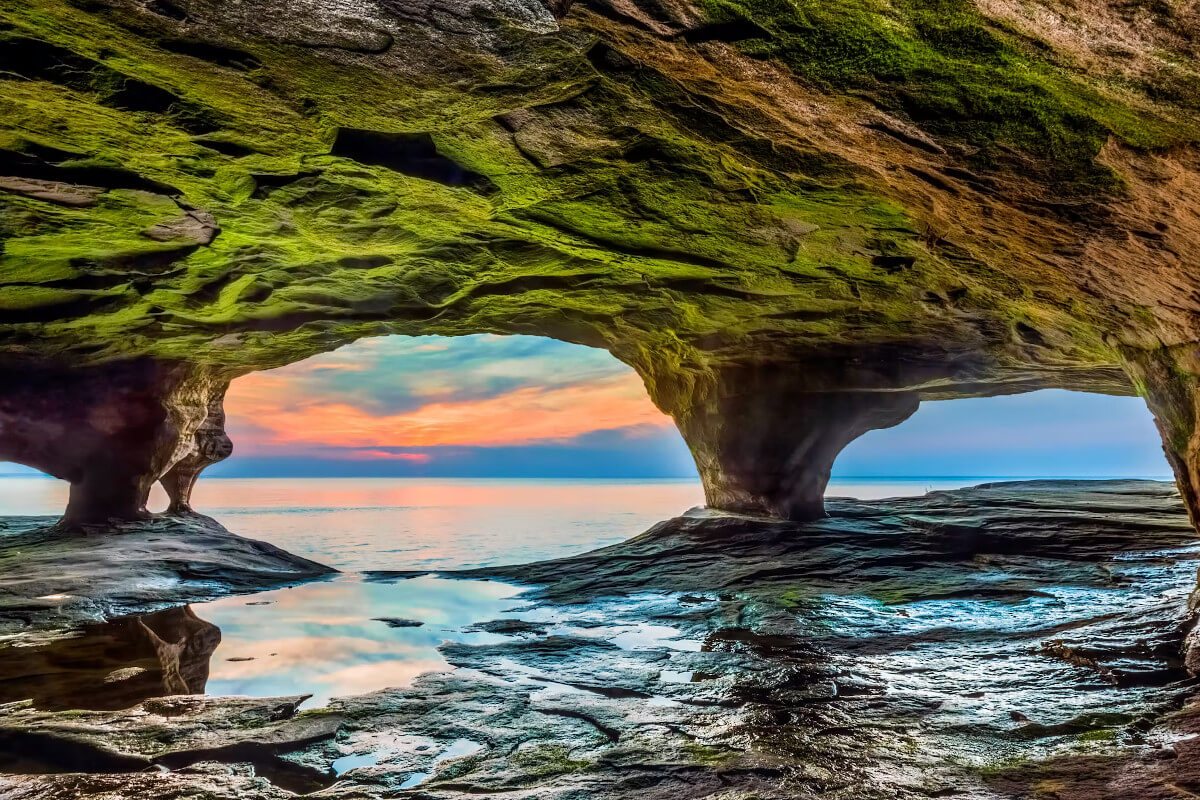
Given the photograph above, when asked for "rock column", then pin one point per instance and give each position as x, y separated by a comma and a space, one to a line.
210, 444
1169, 379
110, 430
765, 436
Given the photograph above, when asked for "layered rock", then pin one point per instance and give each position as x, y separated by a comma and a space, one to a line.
1001, 197
65, 580
111, 431
210, 444
1003, 641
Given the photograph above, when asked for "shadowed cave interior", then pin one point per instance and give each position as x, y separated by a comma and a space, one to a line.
811, 630
794, 220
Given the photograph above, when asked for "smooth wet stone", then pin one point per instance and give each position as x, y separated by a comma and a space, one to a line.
172, 733
399, 622
900, 649
54, 578
996, 642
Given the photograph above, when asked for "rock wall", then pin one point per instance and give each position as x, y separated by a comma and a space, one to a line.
112, 431
756, 205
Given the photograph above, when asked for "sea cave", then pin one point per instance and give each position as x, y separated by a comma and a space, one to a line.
715, 243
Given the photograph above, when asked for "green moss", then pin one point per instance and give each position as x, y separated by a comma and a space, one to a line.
628, 214
544, 760
708, 755
958, 75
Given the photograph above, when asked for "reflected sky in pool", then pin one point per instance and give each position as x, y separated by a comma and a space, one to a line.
357, 524
326, 638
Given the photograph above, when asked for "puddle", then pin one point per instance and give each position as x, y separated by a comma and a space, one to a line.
456, 749
323, 639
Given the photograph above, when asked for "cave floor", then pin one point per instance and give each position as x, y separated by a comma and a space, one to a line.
1010, 640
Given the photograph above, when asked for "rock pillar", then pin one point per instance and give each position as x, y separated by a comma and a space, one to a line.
1169, 379
210, 444
110, 430
765, 436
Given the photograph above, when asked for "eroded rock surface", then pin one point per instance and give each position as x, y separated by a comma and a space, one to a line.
56, 578
992, 643
112, 431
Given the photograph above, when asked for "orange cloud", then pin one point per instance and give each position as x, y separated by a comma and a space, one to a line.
373, 455
525, 415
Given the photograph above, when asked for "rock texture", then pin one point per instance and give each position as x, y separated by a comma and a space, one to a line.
55, 578
1003, 642
210, 444
816, 201
112, 431
112, 665
167, 733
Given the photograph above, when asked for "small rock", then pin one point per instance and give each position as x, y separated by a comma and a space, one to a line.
398, 622
65, 194
510, 627
195, 224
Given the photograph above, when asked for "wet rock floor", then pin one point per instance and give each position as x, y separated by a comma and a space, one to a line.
1012, 640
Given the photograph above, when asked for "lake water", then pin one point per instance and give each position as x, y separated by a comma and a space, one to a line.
404, 523
355, 633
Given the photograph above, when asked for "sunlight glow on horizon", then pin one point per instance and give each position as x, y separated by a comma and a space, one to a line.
521, 416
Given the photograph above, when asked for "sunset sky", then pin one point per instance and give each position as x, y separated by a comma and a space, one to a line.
523, 406
464, 406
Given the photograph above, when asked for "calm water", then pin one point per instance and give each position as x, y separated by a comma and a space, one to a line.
352, 634
403, 523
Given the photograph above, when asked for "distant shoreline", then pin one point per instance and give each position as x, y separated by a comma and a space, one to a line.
630, 479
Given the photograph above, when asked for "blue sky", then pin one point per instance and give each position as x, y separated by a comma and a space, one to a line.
522, 406
1047, 433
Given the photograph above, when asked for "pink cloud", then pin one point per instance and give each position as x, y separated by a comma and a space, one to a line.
377, 455
279, 416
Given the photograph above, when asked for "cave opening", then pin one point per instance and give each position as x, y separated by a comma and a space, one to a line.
438, 412
1047, 434
461, 435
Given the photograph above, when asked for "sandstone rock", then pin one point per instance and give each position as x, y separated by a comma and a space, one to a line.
110, 431
195, 225
795, 232
66, 578
52, 191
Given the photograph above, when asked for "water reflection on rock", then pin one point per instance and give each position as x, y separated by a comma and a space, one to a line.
334, 638
991, 643
113, 665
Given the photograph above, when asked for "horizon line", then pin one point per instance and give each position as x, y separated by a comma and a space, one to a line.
696, 479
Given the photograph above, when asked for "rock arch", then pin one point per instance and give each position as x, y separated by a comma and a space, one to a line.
790, 249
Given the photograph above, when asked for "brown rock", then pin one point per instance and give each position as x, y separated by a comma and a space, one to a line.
195, 224
64, 194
